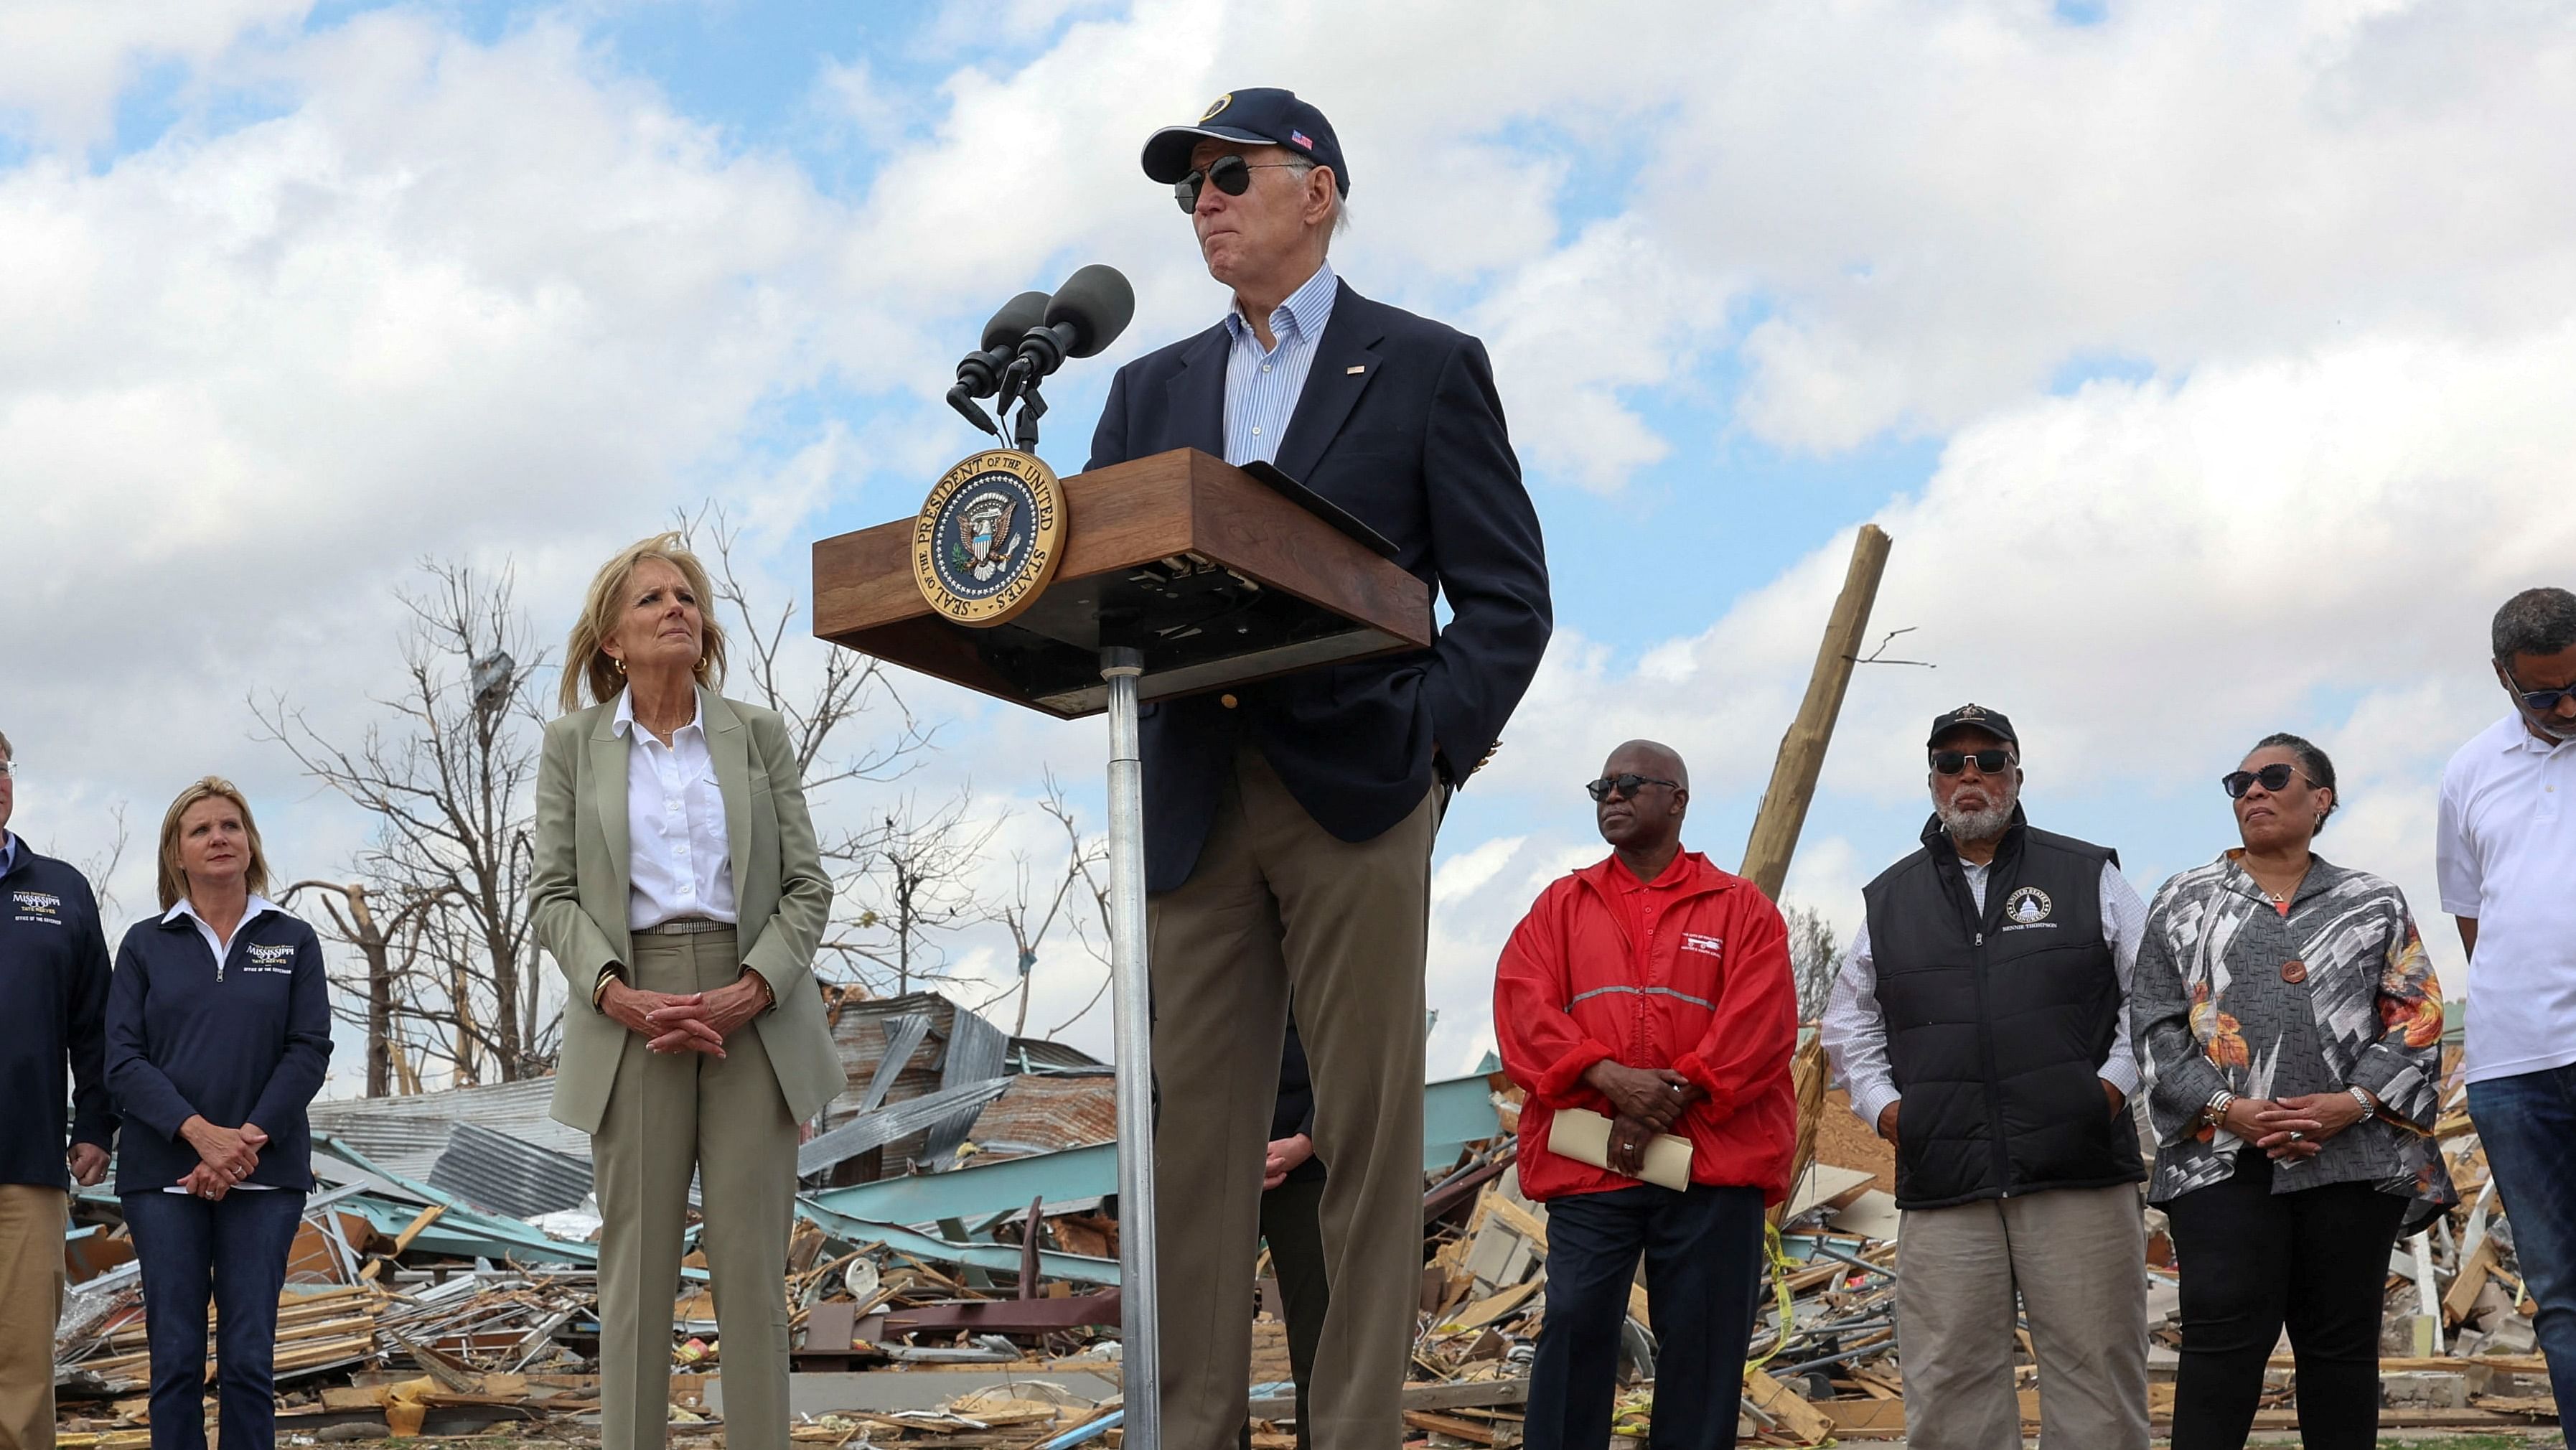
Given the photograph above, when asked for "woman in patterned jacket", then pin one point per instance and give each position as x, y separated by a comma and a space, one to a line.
2291, 1034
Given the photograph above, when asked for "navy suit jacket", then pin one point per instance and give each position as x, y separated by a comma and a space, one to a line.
1399, 424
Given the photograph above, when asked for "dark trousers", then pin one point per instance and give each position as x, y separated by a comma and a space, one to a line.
2252, 1261
1703, 1252
1292, 1223
234, 1250
2528, 1124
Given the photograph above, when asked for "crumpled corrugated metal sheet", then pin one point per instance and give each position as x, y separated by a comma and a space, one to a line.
406, 1134
505, 1175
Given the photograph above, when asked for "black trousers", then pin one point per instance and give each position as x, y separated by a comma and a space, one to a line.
1292, 1223
1703, 1252
2253, 1261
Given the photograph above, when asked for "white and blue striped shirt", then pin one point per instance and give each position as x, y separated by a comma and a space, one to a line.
1261, 388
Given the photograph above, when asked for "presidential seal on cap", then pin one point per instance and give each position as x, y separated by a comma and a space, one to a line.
1265, 116
988, 539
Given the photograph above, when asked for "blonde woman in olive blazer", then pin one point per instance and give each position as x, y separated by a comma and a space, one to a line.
679, 887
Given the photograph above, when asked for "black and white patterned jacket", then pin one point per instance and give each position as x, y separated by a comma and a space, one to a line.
2214, 1006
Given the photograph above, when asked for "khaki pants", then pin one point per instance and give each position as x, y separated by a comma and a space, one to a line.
726, 1120
2077, 1256
1277, 905
31, 1300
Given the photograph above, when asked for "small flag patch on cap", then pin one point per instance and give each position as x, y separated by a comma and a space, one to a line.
1301, 139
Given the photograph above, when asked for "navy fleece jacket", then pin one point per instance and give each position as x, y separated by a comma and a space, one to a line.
53, 960
239, 1041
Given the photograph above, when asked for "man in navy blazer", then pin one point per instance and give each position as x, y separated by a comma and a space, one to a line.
1288, 823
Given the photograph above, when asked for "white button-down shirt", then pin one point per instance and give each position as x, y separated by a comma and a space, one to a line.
1854, 1029
1262, 388
2506, 856
680, 862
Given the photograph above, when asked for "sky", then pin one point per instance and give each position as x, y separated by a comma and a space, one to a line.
2207, 364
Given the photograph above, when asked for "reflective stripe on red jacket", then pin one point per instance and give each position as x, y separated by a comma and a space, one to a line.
1707, 994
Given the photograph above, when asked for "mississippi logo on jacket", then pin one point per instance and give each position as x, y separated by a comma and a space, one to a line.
43, 906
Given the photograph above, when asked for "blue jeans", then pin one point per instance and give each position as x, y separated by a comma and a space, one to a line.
2528, 1124
235, 1248
1703, 1252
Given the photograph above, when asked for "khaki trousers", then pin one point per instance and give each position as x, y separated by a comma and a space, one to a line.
31, 1300
725, 1119
2077, 1256
1278, 905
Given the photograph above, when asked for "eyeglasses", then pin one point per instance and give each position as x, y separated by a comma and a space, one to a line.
2272, 778
1626, 785
1232, 175
2538, 702
1989, 762
8, 768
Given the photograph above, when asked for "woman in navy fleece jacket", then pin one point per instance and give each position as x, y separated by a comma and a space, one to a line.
218, 1029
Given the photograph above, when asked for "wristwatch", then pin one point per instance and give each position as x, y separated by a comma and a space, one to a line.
2362, 1096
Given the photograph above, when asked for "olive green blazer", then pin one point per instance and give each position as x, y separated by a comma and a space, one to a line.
780, 888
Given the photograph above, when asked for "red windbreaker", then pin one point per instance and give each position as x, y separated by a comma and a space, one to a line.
1706, 993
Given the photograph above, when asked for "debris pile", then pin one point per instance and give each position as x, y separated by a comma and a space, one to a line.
953, 1280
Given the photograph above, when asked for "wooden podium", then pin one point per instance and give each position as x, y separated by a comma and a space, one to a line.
1179, 574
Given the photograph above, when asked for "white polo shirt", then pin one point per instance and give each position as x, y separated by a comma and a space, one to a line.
2507, 857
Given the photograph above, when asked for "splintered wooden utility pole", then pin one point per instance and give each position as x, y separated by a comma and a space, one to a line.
1793, 784
1802, 751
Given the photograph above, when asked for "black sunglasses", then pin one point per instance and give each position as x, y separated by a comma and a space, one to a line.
2272, 777
2538, 702
1989, 762
1626, 785
1232, 175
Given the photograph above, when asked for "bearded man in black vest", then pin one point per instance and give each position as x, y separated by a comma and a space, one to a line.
1980, 1023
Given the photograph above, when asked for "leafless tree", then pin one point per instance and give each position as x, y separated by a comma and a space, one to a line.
100, 867
908, 879
1046, 897
390, 946
437, 901
1815, 959
449, 781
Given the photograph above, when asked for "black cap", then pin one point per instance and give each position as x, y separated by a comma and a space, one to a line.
1976, 717
1263, 116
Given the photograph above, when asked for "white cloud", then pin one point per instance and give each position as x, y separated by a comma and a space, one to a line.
63, 63
504, 299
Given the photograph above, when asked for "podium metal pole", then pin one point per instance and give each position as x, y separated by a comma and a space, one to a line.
1141, 1338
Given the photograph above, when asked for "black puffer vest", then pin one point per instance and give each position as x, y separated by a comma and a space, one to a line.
1997, 1026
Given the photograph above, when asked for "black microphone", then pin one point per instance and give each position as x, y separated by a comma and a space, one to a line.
979, 374
1084, 316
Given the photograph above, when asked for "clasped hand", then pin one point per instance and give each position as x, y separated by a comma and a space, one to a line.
225, 1156
1644, 1102
685, 1022
2292, 1128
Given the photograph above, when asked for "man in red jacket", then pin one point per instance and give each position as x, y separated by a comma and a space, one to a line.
1654, 989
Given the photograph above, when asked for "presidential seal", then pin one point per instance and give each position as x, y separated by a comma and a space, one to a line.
989, 537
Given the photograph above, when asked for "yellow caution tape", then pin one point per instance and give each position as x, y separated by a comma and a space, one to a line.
1781, 1264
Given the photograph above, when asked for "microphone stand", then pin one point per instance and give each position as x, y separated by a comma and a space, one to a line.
1024, 429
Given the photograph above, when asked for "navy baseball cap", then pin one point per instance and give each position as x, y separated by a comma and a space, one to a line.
1976, 717
1265, 116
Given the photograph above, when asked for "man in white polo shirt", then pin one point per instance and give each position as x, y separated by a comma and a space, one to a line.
2507, 859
